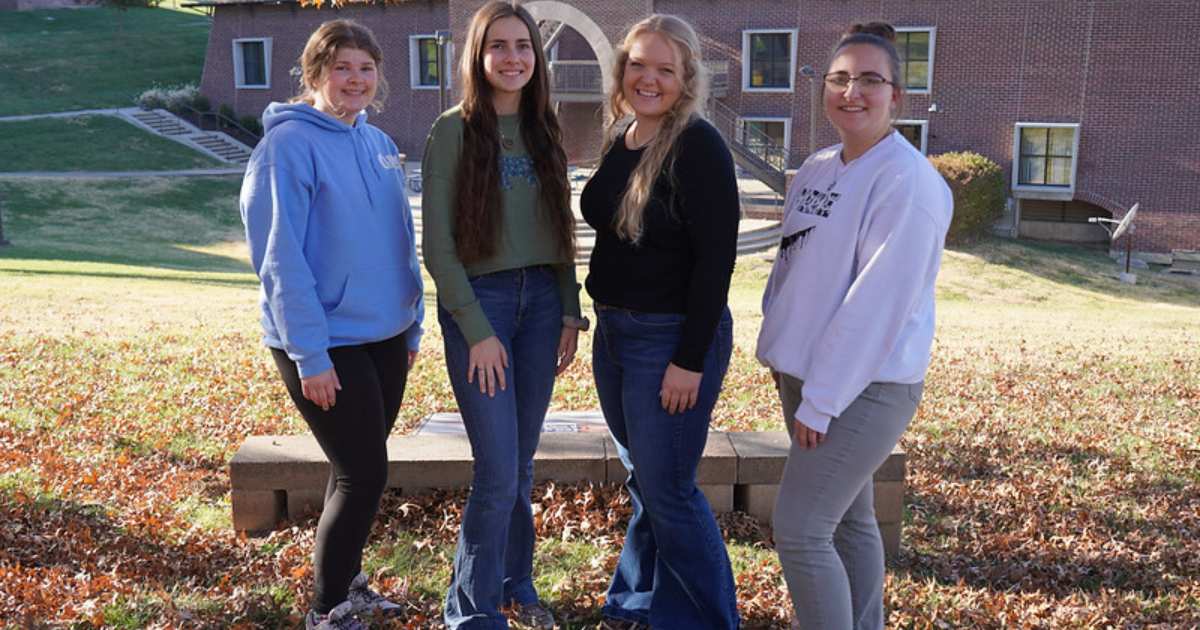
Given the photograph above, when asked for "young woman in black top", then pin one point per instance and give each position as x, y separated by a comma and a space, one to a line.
664, 206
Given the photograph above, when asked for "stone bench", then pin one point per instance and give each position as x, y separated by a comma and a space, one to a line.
280, 477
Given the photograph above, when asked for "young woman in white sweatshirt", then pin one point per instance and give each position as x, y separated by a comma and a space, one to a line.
847, 329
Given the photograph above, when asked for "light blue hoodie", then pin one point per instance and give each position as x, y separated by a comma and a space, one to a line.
331, 236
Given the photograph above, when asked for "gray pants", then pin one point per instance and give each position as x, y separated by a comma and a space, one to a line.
825, 531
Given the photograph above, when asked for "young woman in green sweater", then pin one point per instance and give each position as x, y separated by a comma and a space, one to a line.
499, 244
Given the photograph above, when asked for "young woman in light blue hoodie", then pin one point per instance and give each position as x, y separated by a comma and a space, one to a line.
331, 237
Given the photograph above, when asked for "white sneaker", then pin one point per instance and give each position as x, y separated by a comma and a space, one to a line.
340, 618
367, 601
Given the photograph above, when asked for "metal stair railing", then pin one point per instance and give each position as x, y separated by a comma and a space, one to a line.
216, 121
753, 150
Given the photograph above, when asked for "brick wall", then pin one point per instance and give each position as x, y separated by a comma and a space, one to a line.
1120, 70
407, 114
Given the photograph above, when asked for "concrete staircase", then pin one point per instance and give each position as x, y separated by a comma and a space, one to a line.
213, 143
754, 235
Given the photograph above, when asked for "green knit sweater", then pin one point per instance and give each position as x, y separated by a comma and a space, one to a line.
525, 238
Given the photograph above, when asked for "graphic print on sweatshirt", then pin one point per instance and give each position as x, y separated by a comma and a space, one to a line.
794, 241
812, 201
809, 201
520, 167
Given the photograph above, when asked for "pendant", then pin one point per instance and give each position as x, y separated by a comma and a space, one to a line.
508, 142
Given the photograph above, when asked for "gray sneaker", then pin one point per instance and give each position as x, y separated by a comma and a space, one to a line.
367, 601
340, 618
533, 617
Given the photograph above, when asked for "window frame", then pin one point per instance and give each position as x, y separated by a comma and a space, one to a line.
792, 34
1044, 191
414, 62
924, 125
239, 63
932, 30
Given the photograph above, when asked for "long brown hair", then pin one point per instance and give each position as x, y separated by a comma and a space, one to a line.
321, 52
480, 211
658, 157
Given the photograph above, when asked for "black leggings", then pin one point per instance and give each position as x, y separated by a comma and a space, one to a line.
353, 434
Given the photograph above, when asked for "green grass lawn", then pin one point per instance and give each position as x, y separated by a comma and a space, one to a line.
92, 143
70, 59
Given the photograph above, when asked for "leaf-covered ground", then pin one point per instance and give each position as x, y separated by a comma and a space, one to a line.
1052, 478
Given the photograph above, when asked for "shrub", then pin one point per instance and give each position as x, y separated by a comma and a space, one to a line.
225, 111
250, 123
202, 104
978, 187
168, 98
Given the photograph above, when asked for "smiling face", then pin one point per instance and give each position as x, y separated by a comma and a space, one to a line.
652, 82
861, 119
349, 85
508, 62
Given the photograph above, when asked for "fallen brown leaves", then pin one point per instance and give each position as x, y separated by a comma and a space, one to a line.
1050, 485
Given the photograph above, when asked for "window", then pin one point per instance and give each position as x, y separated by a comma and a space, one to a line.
916, 132
423, 65
768, 60
915, 46
252, 63
1045, 157
767, 138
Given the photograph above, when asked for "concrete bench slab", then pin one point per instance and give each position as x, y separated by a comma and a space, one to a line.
281, 477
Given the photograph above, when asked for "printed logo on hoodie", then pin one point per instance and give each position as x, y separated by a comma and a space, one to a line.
390, 162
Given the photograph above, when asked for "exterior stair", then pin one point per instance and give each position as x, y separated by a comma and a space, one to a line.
754, 235
166, 124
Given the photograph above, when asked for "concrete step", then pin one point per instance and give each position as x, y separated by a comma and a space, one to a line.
278, 478
166, 124
754, 235
161, 123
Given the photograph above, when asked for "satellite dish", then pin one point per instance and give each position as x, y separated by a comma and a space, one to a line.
1125, 222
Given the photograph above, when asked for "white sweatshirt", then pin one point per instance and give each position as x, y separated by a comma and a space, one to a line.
850, 300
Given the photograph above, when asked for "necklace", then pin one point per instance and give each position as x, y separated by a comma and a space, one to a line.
839, 169
633, 136
508, 141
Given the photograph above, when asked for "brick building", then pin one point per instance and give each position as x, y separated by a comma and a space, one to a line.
1086, 104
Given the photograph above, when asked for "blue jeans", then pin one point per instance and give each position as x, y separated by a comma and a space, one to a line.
673, 572
493, 564
825, 529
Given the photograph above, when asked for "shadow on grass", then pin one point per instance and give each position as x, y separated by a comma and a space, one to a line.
248, 281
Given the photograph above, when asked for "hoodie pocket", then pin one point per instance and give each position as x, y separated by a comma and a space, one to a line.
371, 299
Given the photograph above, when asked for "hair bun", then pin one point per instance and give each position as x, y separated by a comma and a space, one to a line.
878, 29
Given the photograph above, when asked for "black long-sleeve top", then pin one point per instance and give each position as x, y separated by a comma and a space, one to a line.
686, 255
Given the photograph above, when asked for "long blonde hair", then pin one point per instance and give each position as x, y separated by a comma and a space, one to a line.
658, 158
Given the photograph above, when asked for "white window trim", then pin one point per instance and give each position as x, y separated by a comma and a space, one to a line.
746, 87
787, 127
924, 125
932, 53
414, 62
239, 66
1028, 191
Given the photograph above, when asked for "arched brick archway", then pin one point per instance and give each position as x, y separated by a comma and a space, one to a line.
584, 25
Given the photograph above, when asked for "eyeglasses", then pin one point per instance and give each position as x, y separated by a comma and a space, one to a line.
868, 83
